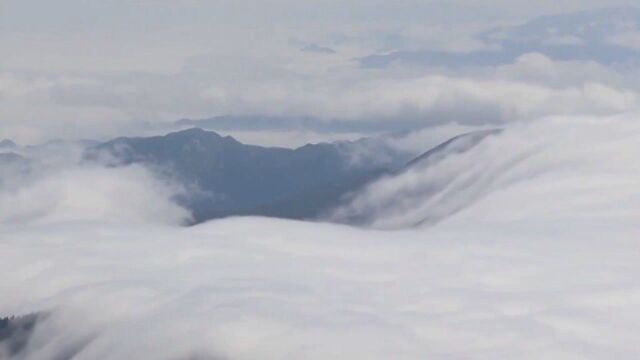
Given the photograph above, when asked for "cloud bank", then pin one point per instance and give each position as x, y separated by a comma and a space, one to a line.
537, 262
524, 246
52, 184
555, 158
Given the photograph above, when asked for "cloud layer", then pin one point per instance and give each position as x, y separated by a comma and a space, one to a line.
540, 263
524, 246
99, 75
51, 184
565, 161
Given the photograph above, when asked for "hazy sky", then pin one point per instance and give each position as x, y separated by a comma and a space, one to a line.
75, 69
540, 263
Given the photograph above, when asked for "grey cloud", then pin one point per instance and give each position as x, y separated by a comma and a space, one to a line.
197, 70
349, 102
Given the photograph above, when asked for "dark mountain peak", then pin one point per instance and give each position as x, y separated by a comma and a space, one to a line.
7, 144
176, 138
195, 132
170, 148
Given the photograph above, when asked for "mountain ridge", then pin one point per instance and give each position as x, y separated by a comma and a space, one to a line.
229, 178
234, 178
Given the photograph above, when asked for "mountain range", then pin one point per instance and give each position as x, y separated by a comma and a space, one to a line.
225, 177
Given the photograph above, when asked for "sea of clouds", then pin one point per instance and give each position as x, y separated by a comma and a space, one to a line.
524, 247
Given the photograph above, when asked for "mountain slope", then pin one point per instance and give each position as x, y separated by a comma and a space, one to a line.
225, 177
322, 201
368, 202
234, 178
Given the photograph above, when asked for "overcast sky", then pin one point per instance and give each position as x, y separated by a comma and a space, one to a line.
95, 69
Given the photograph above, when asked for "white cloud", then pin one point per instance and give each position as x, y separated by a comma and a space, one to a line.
534, 86
534, 254
549, 165
543, 266
535, 68
53, 185
260, 289
129, 194
117, 67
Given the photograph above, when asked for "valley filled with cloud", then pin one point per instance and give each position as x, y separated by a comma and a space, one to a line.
319, 180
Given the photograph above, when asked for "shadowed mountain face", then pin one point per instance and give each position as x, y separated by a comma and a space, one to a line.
232, 178
598, 35
225, 177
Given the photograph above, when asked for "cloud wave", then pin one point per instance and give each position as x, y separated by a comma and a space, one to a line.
540, 264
